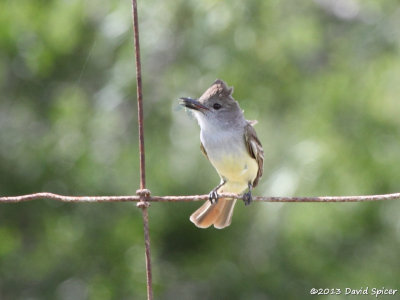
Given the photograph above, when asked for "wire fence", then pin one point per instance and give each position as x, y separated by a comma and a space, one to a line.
147, 198
143, 196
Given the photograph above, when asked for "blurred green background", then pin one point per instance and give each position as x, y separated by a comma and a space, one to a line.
323, 79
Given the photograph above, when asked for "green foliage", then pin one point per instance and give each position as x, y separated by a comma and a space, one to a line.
321, 77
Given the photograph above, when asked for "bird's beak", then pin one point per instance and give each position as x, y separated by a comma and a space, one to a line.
193, 104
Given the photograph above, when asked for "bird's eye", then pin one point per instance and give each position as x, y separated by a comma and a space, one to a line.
217, 106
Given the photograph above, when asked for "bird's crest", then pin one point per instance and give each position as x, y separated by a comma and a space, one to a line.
217, 89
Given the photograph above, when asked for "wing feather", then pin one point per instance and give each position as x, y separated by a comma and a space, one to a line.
255, 149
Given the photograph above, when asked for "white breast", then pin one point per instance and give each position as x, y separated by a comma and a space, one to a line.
228, 154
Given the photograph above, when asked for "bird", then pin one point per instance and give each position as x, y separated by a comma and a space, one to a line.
230, 143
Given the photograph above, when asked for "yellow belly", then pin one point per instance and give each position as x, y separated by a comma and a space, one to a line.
238, 170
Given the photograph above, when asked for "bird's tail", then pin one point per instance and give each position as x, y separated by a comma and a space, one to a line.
218, 214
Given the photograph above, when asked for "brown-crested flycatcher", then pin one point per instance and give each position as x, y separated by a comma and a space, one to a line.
230, 143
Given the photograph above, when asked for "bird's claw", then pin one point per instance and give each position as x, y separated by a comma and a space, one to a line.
213, 196
247, 198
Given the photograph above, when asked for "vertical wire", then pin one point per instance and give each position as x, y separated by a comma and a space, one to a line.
142, 192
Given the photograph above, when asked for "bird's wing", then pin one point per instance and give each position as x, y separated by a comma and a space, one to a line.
255, 149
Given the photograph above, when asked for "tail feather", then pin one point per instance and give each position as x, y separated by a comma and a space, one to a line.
218, 214
225, 217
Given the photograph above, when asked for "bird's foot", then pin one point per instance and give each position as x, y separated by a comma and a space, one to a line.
247, 198
213, 196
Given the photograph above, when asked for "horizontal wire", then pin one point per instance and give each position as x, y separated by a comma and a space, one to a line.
96, 199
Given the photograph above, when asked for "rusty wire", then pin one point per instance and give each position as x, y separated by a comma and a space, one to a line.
143, 193
148, 198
